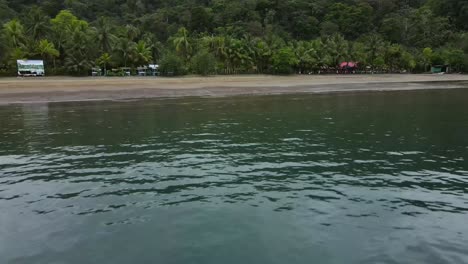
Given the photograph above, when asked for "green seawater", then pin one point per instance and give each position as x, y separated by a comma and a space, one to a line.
339, 178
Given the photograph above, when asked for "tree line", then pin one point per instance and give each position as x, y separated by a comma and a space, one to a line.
232, 37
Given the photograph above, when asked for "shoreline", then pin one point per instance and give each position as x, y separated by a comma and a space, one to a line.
73, 89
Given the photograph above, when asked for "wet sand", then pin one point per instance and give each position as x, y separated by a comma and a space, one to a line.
61, 89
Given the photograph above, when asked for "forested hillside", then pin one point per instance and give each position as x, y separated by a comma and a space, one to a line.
234, 36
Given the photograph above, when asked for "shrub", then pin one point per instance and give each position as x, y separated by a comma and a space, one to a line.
171, 65
55, 71
284, 60
203, 63
7, 73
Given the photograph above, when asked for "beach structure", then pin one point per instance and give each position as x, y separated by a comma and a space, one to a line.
30, 68
141, 71
126, 70
150, 70
153, 69
348, 67
348, 64
96, 71
440, 69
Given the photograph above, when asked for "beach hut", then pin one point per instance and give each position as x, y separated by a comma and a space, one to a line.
126, 71
153, 69
141, 71
440, 69
96, 71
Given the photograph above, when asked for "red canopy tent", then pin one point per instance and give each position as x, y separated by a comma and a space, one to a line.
348, 64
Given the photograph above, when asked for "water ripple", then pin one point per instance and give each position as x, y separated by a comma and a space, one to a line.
269, 170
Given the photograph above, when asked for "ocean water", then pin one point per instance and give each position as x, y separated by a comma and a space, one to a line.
339, 178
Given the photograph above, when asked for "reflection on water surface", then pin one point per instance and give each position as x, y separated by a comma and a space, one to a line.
352, 178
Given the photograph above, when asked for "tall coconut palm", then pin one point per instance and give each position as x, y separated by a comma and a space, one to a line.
103, 61
14, 32
262, 54
320, 53
37, 23
337, 48
374, 47
125, 49
132, 32
216, 45
77, 55
16, 54
47, 50
155, 45
239, 55
142, 53
219, 46
104, 34
306, 56
77, 64
182, 43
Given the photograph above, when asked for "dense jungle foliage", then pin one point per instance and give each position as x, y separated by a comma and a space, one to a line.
228, 37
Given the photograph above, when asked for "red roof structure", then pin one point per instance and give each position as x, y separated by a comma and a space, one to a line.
348, 64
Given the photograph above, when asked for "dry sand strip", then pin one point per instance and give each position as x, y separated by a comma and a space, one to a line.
62, 89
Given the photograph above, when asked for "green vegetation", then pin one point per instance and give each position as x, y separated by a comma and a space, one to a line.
203, 63
283, 61
171, 65
229, 37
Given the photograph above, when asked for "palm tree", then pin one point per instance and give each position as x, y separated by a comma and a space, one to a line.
142, 53
47, 50
132, 32
216, 45
262, 54
393, 56
306, 56
105, 38
14, 32
182, 43
16, 54
337, 49
37, 23
319, 53
77, 64
125, 49
239, 55
103, 61
77, 55
374, 47
155, 46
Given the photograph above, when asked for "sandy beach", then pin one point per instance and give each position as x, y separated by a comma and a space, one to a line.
61, 89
